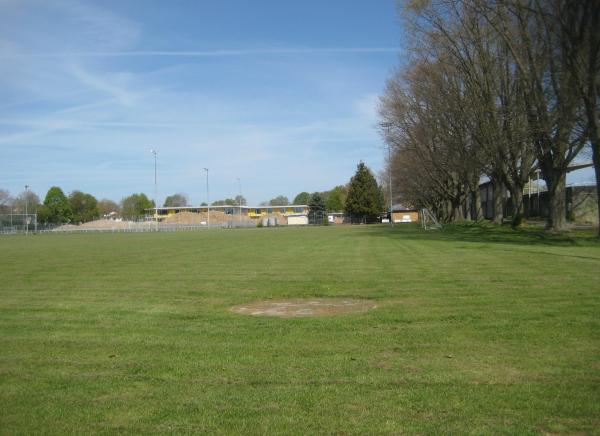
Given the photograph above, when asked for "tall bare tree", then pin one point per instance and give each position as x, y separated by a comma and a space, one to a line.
492, 106
502, 87
580, 42
532, 32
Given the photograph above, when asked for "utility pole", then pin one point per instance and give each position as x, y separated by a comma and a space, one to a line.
155, 190
537, 188
388, 128
529, 198
26, 216
207, 198
240, 202
390, 181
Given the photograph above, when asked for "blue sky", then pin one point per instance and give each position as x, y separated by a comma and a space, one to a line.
281, 94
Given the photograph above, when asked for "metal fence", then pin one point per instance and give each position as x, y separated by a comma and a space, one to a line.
22, 224
18, 223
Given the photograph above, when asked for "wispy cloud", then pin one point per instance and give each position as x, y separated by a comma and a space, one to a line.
106, 85
99, 28
206, 53
83, 100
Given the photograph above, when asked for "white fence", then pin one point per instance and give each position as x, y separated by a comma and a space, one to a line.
16, 224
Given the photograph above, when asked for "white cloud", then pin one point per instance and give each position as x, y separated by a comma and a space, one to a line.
245, 52
113, 85
98, 28
96, 113
366, 106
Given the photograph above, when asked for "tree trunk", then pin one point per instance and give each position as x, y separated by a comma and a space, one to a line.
557, 216
594, 134
457, 207
474, 195
468, 206
498, 193
517, 202
478, 212
458, 212
596, 160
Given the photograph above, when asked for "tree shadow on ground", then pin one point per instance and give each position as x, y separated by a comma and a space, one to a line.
484, 232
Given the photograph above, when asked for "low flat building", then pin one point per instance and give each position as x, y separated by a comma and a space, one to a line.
404, 214
235, 212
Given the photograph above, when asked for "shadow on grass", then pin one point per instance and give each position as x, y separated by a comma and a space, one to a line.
484, 232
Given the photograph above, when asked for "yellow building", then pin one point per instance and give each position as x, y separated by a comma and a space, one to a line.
245, 212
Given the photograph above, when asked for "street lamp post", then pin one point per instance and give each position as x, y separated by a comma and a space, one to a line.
388, 127
528, 198
207, 198
26, 217
390, 181
240, 201
155, 189
537, 188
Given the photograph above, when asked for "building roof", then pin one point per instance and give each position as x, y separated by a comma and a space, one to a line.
399, 207
226, 206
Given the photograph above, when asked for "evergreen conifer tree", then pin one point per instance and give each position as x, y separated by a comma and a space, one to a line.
364, 195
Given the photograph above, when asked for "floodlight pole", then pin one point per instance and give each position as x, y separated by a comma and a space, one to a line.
155, 189
390, 174
387, 127
26, 201
207, 198
240, 202
537, 188
529, 197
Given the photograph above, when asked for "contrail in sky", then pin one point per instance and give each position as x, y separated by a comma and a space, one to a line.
211, 53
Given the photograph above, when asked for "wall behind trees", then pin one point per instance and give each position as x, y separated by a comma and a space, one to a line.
495, 88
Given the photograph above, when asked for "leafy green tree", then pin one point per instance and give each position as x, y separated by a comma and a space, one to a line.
42, 214
240, 200
57, 209
106, 206
135, 205
302, 198
176, 200
84, 207
316, 203
364, 196
337, 199
226, 202
280, 200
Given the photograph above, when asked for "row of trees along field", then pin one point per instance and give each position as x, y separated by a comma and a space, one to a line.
496, 88
77, 207
360, 197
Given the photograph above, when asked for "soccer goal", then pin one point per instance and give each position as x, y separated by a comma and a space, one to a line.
428, 220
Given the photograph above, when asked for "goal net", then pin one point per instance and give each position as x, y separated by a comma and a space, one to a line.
428, 220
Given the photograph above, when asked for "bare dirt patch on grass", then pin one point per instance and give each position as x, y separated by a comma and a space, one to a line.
294, 308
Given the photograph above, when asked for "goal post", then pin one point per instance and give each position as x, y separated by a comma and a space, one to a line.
428, 220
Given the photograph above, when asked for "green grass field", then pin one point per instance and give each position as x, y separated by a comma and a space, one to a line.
478, 330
